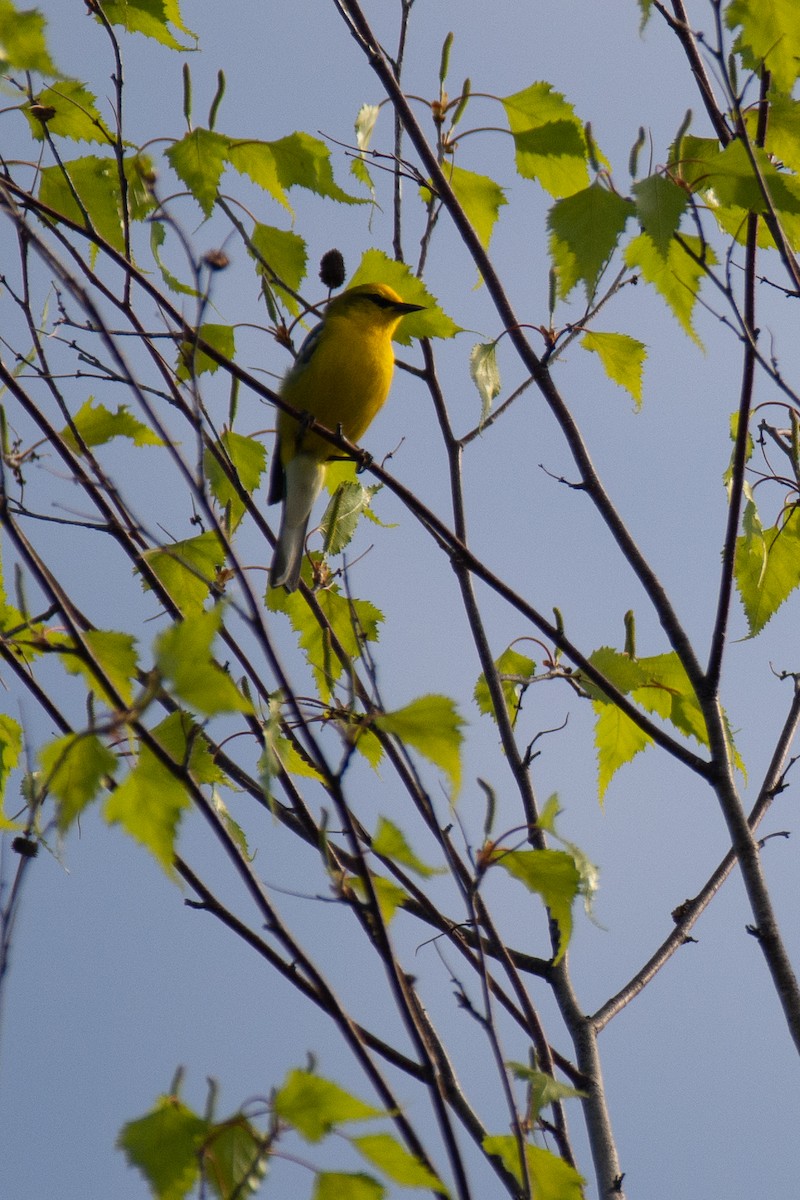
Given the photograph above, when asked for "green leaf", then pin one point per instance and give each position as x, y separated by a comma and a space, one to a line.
543, 1089
350, 619
551, 1177
510, 662
432, 322
22, 41
390, 895
783, 130
75, 767
257, 161
660, 204
188, 569
148, 804
96, 182
618, 740
347, 505
185, 742
75, 113
731, 176
164, 1146
286, 255
769, 33
234, 1159
115, 654
677, 277
314, 1106
584, 231
485, 374
622, 358
183, 656
432, 726
247, 457
305, 161
338, 1185
552, 874
198, 159
479, 196
10, 750
194, 361
150, 17
97, 425
767, 565
364, 127
549, 139
661, 686
386, 1153
390, 841
157, 238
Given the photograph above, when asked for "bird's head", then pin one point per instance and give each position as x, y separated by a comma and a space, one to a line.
374, 303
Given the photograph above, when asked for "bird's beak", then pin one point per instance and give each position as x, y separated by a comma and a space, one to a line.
408, 308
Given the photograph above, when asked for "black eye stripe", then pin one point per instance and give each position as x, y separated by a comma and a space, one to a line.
381, 301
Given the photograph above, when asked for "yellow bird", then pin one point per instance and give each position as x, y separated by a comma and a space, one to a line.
341, 378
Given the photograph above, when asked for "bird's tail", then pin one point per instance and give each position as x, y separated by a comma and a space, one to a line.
304, 478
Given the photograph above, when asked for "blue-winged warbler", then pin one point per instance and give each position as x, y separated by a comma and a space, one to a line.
341, 378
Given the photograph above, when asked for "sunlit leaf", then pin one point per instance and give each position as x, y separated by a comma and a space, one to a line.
152, 18
479, 196
10, 750
389, 1155
677, 277
485, 374
551, 1177
198, 159
584, 231
432, 726
767, 565
22, 42
183, 656
188, 569
305, 161
97, 425
390, 841
350, 619
75, 114
314, 1105
74, 768
96, 182
164, 1147
286, 256
549, 139
186, 744
339, 1185
390, 895
247, 458
618, 740
622, 358
660, 204
552, 874
115, 655
193, 360
510, 662
149, 804
769, 34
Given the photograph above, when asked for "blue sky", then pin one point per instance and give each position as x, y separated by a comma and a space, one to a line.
114, 981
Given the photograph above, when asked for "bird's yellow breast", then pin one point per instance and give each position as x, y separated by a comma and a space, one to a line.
345, 383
